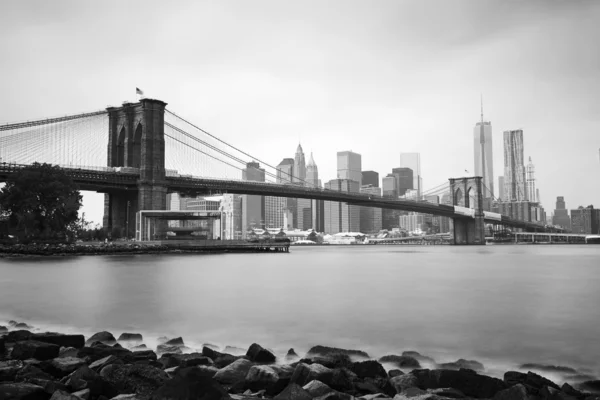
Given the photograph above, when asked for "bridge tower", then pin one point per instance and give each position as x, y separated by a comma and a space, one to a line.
467, 192
136, 139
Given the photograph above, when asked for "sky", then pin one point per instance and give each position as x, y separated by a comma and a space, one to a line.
378, 78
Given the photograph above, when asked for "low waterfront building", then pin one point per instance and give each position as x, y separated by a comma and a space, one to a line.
585, 220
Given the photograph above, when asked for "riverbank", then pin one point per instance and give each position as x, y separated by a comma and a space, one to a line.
42, 365
131, 248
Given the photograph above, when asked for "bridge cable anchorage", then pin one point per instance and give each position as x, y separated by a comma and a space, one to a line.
291, 177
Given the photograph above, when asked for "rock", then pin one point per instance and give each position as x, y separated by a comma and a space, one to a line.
128, 397
22, 391
139, 347
324, 350
103, 362
427, 396
548, 368
401, 361
259, 354
210, 352
17, 336
536, 382
207, 370
23, 325
462, 363
284, 370
304, 373
334, 360
12, 323
402, 382
211, 346
75, 341
467, 381
418, 356
34, 349
67, 352
178, 341
317, 388
190, 384
234, 372
167, 349
96, 353
335, 396
83, 394
190, 360
61, 395
394, 372
130, 337
448, 393
9, 369
162, 339
369, 369
261, 377
117, 346
104, 337
138, 379
225, 360
61, 367
50, 386
293, 392
592, 386
140, 355
29, 372
512, 378
291, 355
3, 329
570, 390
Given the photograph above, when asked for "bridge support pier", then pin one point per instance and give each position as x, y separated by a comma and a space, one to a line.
468, 192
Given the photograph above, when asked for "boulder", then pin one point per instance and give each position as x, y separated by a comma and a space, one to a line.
402, 382
50, 386
3, 329
304, 373
333, 360
61, 395
61, 367
400, 361
168, 349
570, 390
324, 350
128, 397
467, 381
534, 382
144, 355
418, 356
259, 354
450, 393
207, 370
83, 394
18, 335
291, 355
9, 369
34, 349
162, 339
104, 337
178, 341
67, 352
591, 386
512, 378
12, 323
103, 362
236, 351
211, 346
462, 363
30, 372
284, 370
225, 360
139, 347
317, 388
190, 384
261, 377
184, 360
369, 369
130, 337
548, 368
23, 325
395, 372
22, 391
293, 392
96, 353
234, 372
138, 379
210, 352
75, 341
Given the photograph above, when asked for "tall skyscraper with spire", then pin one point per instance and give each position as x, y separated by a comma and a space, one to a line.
312, 180
484, 156
532, 194
312, 173
299, 166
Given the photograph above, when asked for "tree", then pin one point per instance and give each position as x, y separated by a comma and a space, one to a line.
41, 202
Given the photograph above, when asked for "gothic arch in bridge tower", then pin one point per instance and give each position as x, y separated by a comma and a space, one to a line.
136, 147
467, 192
120, 161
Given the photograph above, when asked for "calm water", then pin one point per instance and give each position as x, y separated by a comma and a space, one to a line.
502, 305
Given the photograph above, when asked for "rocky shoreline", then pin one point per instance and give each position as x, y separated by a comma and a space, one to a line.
43, 366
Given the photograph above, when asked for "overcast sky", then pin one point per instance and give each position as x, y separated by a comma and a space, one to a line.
375, 77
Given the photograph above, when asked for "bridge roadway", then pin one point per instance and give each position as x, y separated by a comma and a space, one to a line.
101, 179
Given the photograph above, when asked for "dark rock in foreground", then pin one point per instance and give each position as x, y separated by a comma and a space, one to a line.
24, 391
259, 354
324, 350
75, 341
190, 383
592, 386
130, 337
369, 369
34, 349
234, 372
467, 381
293, 392
104, 337
139, 379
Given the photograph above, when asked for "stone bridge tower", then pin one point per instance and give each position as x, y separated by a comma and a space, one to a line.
136, 139
467, 192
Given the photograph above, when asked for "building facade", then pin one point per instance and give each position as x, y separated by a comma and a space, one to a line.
404, 179
231, 217
514, 168
413, 161
389, 185
484, 155
349, 166
253, 206
371, 217
532, 194
299, 166
561, 214
312, 179
501, 188
341, 217
370, 178
585, 220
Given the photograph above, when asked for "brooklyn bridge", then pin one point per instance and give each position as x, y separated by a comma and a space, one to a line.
139, 152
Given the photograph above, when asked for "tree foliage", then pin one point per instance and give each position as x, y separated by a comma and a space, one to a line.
42, 202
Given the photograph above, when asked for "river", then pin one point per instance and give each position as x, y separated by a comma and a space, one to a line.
502, 305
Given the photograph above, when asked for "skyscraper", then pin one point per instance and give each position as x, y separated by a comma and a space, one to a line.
341, 217
390, 186
277, 206
501, 188
530, 182
312, 173
303, 206
484, 156
404, 179
299, 166
349, 166
561, 214
312, 179
252, 206
514, 169
413, 161
370, 178
370, 217
285, 171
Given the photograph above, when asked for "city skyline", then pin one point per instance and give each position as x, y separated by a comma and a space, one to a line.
382, 80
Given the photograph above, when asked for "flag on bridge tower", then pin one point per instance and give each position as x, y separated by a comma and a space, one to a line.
139, 92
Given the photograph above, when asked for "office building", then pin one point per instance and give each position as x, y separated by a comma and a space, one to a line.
530, 182
404, 179
484, 155
370, 217
389, 185
274, 210
370, 178
585, 220
231, 217
312, 180
341, 217
501, 188
253, 206
349, 166
285, 171
561, 214
299, 167
514, 168
416, 222
413, 161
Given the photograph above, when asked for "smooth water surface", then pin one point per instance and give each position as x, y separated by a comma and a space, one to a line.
503, 305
